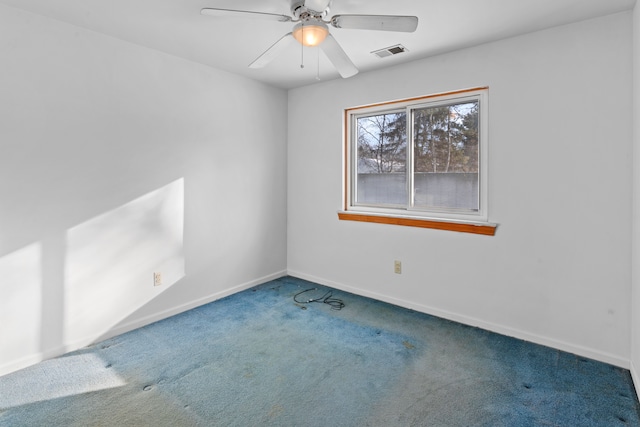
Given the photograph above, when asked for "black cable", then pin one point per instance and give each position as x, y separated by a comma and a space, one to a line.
327, 298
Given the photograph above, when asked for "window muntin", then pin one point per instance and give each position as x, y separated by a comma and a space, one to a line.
424, 157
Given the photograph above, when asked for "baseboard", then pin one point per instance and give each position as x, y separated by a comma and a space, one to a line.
456, 317
22, 363
471, 321
32, 359
635, 378
138, 323
29, 360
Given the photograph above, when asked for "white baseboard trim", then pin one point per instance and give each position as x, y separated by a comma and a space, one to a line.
471, 321
138, 323
16, 365
635, 378
32, 359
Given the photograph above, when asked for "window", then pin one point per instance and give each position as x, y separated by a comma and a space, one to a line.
423, 159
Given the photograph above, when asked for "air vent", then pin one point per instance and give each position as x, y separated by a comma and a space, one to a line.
389, 51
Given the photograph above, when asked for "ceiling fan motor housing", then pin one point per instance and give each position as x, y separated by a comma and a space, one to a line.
302, 13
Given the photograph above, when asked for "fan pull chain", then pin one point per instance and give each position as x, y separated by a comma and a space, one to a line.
302, 50
318, 70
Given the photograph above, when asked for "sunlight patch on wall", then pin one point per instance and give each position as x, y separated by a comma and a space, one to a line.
111, 260
21, 310
55, 378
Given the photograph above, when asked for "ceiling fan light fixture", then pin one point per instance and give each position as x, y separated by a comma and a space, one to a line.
310, 33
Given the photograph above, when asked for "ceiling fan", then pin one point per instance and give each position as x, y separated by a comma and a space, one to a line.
311, 29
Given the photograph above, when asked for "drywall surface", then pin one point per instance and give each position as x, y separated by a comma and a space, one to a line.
635, 259
118, 162
558, 270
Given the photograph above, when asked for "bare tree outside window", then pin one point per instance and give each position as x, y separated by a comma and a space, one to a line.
382, 158
382, 143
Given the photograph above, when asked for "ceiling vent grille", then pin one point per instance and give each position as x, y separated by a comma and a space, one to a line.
390, 51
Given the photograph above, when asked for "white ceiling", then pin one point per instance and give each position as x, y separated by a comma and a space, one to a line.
178, 28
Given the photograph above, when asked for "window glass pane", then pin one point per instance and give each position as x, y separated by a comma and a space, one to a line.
446, 156
381, 159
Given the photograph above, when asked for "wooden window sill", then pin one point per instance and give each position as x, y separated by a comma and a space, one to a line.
486, 229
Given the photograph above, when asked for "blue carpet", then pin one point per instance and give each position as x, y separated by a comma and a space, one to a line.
259, 358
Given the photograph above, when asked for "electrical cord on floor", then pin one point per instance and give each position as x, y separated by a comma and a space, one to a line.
327, 298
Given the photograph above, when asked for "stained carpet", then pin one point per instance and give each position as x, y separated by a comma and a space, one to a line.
258, 358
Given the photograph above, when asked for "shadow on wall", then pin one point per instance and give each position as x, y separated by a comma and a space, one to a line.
107, 274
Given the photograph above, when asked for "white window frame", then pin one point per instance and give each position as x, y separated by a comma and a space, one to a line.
408, 211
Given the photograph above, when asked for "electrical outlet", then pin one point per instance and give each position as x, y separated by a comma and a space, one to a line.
157, 279
397, 267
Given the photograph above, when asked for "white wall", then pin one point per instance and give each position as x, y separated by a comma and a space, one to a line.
635, 263
558, 271
117, 161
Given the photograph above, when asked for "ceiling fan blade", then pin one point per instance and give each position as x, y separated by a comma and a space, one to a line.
273, 51
338, 57
405, 24
317, 5
230, 13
